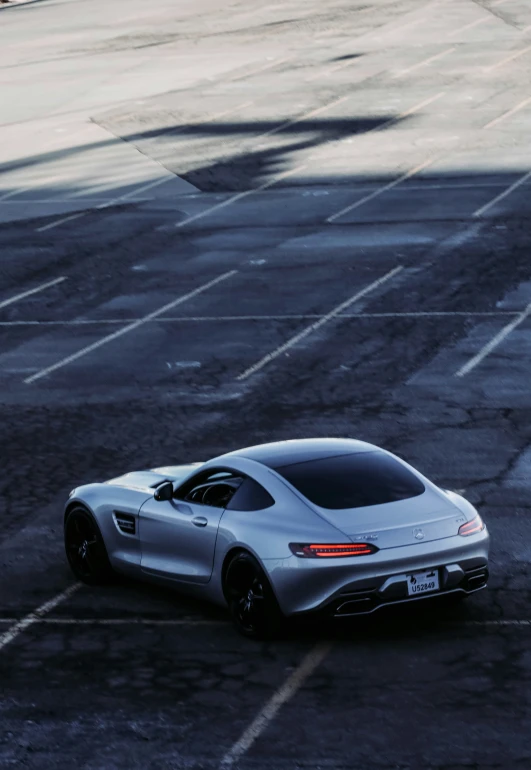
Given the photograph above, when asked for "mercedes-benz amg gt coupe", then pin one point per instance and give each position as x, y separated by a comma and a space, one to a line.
338, 527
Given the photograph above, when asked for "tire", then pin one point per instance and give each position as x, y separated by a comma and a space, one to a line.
85, 548
252, 603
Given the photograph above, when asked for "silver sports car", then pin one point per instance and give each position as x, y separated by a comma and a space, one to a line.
332, 526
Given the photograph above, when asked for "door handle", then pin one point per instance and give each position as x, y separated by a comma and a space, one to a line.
200, 521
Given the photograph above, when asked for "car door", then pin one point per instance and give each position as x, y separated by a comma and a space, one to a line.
178, 536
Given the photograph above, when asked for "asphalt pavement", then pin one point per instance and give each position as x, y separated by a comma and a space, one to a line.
228, 223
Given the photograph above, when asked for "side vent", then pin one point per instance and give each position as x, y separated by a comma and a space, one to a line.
125, 522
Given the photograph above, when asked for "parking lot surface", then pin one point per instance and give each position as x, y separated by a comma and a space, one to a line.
229, 223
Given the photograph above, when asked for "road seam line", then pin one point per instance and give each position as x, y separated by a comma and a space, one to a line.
317, 325
128, 328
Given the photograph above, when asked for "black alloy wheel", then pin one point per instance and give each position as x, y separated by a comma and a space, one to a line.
252, 603
85, 549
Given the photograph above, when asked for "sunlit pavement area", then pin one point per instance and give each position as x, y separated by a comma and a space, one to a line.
228, 223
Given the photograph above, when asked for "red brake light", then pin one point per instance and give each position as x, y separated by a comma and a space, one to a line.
472, 527
328, 550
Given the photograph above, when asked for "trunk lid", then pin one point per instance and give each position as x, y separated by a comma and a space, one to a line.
417, 520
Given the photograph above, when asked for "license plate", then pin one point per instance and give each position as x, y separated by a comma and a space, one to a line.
422, 582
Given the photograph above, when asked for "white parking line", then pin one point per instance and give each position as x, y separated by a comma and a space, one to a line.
61, 221
383, 126
239, 196
407, 113
381, 190
189, 139
294, 121
52, 201
508, 114
495, 341
128, 328
200, 622
111, 202
512, 57
12, 193
381, 32
283, 317
28, 293
472, 25
36, 615
122, 622
280, 697
263, 68
317, 325
501, 196
132, 193
21, 190
330, 70
423, 63
215, 116
494, 623
137, 191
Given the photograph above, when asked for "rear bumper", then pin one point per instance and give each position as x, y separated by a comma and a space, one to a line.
453, 581
362, 585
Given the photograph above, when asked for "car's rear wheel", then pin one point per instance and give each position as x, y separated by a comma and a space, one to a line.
252, 603
85, 549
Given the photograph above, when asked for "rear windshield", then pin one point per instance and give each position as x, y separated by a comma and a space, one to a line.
353, 480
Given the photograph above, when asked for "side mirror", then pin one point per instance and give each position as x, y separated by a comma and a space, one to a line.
164, 492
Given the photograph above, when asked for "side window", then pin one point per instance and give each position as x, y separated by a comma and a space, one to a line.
218, 494
250, 496
214, 487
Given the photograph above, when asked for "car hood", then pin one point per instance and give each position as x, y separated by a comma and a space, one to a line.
430, 516
149, 479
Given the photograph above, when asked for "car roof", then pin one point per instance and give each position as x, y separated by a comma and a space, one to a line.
280, 453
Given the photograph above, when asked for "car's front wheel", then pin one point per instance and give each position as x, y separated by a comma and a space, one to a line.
252, 603
85, 549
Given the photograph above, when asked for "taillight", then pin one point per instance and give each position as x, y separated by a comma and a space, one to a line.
472, 527
327, 550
